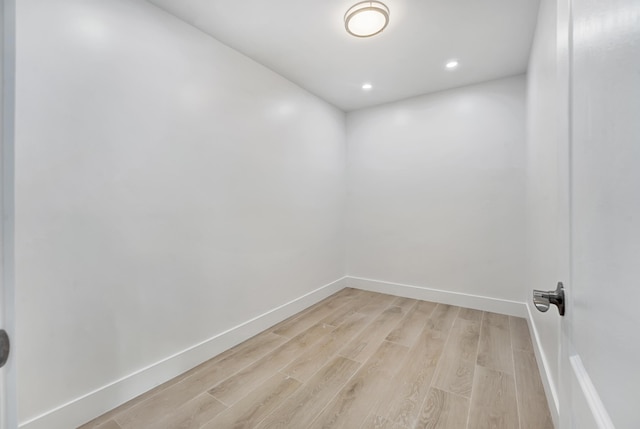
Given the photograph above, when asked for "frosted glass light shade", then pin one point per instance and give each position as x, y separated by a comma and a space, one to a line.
366, 19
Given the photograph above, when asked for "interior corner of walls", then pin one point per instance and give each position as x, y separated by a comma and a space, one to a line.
97, 402
548, 382
483, 303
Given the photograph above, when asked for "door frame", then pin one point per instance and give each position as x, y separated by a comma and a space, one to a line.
8, 399
564, 29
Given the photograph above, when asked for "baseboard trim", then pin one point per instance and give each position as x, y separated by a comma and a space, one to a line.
545, 370
99, 401
495, 305
600, 415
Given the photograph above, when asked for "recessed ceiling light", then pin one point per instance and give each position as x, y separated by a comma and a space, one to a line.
452, 64
367, 86
366, 19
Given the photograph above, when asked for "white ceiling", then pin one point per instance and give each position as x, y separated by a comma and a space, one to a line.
306, 42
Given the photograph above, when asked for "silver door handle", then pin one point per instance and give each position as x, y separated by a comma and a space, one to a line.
543, 299
4, 347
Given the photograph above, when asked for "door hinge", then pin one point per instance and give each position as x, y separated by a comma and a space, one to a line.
5, 346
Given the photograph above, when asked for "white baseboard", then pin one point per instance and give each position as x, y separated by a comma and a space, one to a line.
550, 390
495, 305
96, 403
587, 408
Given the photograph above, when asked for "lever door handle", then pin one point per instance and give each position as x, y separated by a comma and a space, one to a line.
543, 299
4, 347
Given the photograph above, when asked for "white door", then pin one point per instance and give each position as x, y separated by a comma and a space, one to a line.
601, 330
8, 410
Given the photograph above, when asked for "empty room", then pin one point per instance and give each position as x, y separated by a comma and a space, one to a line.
395, 214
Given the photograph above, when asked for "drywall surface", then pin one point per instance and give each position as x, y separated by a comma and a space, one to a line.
546, 165
167, 189
436, 190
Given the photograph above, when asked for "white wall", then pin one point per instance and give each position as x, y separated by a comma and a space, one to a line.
436, 190
167, 189
8, 417
547, 197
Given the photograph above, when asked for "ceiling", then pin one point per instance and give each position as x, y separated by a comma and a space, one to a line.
305, 41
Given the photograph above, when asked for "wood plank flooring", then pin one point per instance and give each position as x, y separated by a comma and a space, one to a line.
358, 359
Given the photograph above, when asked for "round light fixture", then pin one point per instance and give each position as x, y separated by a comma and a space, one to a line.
367, 86
366, 19
451, 64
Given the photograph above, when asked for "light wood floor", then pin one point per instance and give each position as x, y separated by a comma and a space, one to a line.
359, 360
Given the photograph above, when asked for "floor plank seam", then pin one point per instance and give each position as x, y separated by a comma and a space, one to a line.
208, 389
515, 376
473, 384
453, 393
433, 377
290, 376
221, 401
338, 391
237, 372
474, 369
278, 406
280, 335
336, 353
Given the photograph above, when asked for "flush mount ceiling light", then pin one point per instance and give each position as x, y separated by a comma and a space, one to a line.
367, 86
366, 19
452, 64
